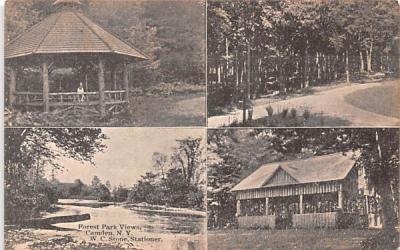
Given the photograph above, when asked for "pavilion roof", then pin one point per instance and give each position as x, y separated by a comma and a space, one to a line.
68, 32
332, 167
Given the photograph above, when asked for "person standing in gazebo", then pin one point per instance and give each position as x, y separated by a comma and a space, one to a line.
80, 91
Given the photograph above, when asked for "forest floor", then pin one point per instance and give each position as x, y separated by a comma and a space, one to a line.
370, 104
288, 239
144, 111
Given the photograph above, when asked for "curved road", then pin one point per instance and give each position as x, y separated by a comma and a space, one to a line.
330, 102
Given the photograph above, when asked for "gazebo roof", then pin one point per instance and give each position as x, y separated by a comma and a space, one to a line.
324, 168
68, 32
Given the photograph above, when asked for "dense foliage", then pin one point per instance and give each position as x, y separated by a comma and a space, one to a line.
234, 154
28, 152
258, 47
171, 33
178, 179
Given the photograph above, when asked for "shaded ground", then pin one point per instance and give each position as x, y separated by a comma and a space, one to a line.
317, 239
144, 111
330, 102
384, 100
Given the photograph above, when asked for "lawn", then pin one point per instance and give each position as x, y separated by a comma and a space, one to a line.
288, 239
171, 111
382, 100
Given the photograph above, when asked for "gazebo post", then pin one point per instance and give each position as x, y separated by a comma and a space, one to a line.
45, 75
114, 76
266, 205
126, 81
340, 197
12, 86
101, 87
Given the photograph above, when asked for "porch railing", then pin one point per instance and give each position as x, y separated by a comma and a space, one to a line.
257, 221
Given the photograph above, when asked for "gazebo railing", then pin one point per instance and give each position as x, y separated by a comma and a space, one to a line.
73, 97
69, 98
115, 95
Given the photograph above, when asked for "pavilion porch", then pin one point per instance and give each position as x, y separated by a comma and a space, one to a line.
322, 210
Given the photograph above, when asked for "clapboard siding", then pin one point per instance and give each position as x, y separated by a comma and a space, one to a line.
257, 221
290, 190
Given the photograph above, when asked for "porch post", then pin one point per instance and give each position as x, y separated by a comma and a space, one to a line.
101, 88
266, 205
12, 86
237, 207
126, 81
45, 74
340, 198
301, 204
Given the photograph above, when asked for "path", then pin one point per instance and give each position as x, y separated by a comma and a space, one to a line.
330, 102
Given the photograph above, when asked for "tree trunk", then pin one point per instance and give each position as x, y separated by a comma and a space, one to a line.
369, 58
362, 68
347, 66
306, 68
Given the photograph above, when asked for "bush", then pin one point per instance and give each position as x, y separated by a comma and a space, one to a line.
284, 113
306, 114
168, 89
293, 113
270, 110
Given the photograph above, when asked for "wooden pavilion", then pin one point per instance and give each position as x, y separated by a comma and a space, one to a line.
322, 191
68, 40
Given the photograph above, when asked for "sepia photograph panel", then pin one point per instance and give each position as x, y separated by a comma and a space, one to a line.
105, 63
105, 188
335, 188
309, 63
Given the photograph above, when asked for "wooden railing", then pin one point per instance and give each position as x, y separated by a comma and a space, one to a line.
115, 95
257, 221
73, 97
315, 220
65, 98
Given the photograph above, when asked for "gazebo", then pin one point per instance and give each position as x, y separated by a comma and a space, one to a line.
68, 37
321, 191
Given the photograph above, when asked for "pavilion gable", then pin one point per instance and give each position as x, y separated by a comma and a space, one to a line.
280, 178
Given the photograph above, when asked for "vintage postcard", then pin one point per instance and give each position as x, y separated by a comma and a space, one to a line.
105, 188
303, 188
305, 63
105, 63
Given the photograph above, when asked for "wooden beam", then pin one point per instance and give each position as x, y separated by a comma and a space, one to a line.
12, 86
266, 205
301, 204
126, 81
114, 76
101, 87
45, 75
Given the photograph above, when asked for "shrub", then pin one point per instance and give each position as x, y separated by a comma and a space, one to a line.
285, 113
306, 114
293, 113
270, 110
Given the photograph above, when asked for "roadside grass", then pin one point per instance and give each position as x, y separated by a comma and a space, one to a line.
276, 120
383, 100
317, 239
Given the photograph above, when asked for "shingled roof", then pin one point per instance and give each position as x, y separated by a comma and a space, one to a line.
68, 32
325, 168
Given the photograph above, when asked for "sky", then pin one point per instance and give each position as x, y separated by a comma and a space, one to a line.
128, 155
